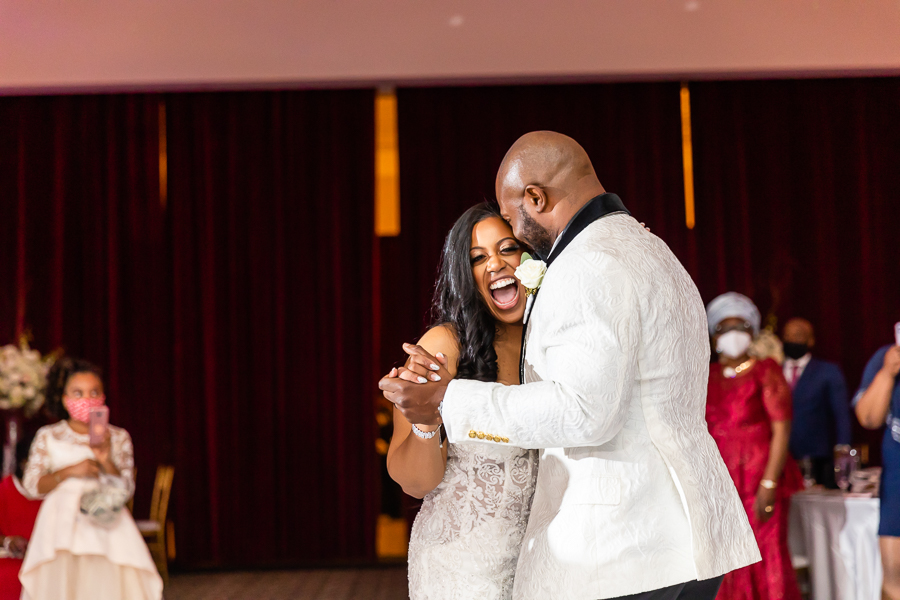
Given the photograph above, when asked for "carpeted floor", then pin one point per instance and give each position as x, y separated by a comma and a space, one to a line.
336, 584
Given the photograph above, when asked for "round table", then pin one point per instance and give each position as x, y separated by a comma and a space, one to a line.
837, 533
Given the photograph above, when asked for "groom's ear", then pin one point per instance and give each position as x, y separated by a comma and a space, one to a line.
537, 197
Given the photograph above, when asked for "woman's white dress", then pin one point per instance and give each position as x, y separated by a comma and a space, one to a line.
466, 538
70, 557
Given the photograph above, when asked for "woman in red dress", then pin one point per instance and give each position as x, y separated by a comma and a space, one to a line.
17, 515
748, 411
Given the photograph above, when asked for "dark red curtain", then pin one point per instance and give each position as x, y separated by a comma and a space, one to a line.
271, 220
234, 322
83, 253
798, 206
798, 201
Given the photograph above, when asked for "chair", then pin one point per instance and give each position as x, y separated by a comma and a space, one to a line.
155, 530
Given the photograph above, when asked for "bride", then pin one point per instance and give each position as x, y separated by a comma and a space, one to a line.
466, 538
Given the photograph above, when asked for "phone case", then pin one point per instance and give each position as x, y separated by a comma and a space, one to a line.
897, 333
99, 423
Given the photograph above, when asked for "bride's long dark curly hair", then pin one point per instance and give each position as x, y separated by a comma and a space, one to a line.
458, 303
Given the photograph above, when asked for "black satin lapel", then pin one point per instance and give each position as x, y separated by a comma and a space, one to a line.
525, 320
522, 354
598, 207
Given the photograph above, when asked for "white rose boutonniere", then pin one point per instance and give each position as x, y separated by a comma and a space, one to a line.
531, 273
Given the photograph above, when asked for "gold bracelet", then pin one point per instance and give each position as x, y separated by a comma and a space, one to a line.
768, 484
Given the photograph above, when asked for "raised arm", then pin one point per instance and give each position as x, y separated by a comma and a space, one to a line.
415, 463
874, 398
589, 340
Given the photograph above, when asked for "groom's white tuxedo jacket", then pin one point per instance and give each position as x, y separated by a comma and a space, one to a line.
632, 494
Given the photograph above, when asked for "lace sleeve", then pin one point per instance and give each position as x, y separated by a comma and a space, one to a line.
122, 455
38, 463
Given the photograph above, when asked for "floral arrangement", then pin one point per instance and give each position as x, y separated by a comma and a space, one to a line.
23, 377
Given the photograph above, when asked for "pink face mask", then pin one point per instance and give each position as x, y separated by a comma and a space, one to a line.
80, 408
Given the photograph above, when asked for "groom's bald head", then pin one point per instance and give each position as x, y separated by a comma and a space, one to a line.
543, 180
543, 158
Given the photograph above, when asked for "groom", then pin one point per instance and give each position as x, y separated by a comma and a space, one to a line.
632, 496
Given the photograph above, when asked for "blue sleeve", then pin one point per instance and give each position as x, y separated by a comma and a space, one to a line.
840, 405
872, 367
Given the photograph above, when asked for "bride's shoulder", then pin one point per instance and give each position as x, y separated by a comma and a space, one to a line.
443, 334
442, 338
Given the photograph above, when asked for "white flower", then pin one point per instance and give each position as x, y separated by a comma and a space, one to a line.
531, 273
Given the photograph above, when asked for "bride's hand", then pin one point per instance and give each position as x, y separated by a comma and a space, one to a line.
422, 366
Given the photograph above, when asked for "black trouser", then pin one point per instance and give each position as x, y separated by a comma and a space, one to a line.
692, 590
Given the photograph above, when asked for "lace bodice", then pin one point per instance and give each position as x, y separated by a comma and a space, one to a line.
57, 446
466, 538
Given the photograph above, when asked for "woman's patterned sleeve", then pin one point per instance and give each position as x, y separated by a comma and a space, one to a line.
38, 463
776, 392
122, 454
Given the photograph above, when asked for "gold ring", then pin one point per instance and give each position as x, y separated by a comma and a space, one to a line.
769, 508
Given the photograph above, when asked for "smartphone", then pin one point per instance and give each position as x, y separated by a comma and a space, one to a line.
897, 333
98, 425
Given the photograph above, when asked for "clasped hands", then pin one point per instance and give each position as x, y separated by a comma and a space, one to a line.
418, 388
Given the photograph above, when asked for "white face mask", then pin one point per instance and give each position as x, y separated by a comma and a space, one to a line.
734, 343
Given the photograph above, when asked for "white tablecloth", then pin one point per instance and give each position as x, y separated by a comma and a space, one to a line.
838, 534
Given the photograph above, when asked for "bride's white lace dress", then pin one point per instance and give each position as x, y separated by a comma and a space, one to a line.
466, 538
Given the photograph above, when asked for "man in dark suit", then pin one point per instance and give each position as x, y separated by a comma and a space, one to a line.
821, 405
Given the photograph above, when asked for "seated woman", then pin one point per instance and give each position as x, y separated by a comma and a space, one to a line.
72, 556
748, 411
17, 515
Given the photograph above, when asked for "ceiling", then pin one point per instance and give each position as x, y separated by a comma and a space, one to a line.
82, 45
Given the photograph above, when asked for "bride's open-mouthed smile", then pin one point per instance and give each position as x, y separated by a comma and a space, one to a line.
495, 253
505, 292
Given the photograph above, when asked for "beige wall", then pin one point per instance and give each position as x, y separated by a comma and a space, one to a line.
125, 44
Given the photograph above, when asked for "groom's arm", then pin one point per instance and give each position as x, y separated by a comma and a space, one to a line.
590, 366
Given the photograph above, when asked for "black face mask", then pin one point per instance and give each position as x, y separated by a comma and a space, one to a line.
795, 351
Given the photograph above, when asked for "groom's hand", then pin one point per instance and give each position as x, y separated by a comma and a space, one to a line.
414, 396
